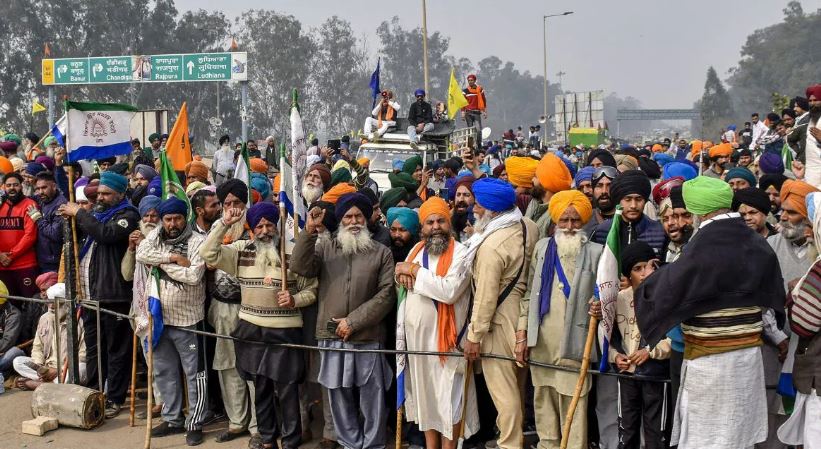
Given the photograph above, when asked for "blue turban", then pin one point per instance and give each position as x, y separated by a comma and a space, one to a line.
397, 164
349, 200
662, 159
741, 173
494, 194
33, 168
113, 181
570, 165
408, 218
155, 187
771, 163
148, 203
148, 172
260, 183
172, 205
682, 169
262, 210
585, 174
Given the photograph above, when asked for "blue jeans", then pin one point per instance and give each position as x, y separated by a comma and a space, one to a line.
412, 131
7, 358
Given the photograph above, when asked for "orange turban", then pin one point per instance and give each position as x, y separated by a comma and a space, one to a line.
566, 198
795, 194
696, 146
5, 165
277, 180
433, 205
657, 148
258, 165
196, 168
363, 161
520, 170
336, 191
552, 173
721, 150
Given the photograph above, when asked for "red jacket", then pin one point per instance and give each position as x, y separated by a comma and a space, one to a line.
18, 233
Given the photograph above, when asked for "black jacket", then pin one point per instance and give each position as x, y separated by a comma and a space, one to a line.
105, 280
797, 138
724, 265
10, 326
420, 113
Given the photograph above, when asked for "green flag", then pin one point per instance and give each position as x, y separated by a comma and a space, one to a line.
171, 185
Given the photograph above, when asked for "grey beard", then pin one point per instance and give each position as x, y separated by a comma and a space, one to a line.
793, 233
146, 228
354, 243
436, 244
311, 193
568, 243
482, 222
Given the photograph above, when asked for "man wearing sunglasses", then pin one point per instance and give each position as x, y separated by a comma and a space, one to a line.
630, 190
603, 206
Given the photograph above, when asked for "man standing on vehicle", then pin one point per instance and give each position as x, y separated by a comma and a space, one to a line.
420, 118
476, 109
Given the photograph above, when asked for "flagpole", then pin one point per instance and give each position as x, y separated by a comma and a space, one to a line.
73, 292
425, 43
149, 405
283, 214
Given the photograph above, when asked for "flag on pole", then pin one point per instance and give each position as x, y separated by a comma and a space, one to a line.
243, 170
154, 308
456, 99
37, 107
171, 185
608, 276
401, 359
787, 156
293, 171
97, 130
59, 130
178, 146
374, 85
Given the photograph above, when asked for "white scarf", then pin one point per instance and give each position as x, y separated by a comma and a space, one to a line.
502, 221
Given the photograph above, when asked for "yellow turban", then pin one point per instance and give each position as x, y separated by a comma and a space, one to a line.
721, 150
520, 170
434, 205
342, 163
336, 191
363, 161
566, 198
552, 173
795, 194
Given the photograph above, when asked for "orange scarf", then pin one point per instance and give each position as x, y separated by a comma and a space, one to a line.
387, 114
480, 99
445, 313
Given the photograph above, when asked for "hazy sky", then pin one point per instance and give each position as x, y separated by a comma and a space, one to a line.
656, 51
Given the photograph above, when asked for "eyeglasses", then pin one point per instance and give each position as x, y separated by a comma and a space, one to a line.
603, 171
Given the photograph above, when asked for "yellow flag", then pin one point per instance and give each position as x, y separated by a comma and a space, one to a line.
456, 99
37, 107
178, 147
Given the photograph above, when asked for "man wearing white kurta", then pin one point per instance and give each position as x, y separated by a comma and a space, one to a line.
434, 318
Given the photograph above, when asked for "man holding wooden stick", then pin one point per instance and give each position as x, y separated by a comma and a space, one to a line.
561, 283
269, 313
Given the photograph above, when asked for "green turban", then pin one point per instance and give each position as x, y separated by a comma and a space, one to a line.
391, 198
153, 137
403, 180
411, 164
340, 175
11, 137
703, 195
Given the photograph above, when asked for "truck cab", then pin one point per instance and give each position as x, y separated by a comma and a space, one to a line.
395, 145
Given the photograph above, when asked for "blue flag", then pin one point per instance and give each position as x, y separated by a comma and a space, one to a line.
374, 85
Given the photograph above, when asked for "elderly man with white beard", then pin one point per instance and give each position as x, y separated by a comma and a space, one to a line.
499, 253
434, 312
316, 182
561, 282
267, 314
356, 293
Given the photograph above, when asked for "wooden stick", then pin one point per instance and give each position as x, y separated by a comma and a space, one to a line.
78, 287
149, 404
588, 346
399, 427
133, 380
57, 335
460, 436
283, 214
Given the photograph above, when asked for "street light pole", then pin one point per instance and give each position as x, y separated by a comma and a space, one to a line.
425, 44
544, 35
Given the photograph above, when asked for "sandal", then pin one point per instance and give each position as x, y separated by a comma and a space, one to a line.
230, 435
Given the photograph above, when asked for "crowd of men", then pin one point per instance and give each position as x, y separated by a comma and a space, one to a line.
716, 243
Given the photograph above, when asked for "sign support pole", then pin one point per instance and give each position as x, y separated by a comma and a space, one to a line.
244, 111
50, 107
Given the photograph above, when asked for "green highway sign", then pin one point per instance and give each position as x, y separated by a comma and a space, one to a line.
229, 66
